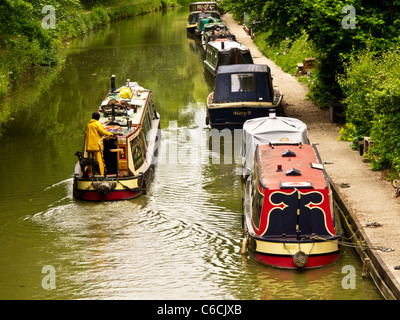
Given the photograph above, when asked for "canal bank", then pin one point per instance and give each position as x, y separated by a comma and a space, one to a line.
365, 196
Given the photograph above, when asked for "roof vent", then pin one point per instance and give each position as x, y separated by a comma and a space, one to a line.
288, 153
293, 172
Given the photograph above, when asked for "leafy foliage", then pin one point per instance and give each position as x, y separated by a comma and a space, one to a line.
371, 84
25, 43
377, 22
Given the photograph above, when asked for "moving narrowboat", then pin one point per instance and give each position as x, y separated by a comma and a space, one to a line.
242, 92
200, 10
267, 130
129, 155
289, 220
224, 51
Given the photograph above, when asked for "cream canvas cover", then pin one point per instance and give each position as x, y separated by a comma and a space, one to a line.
267, 130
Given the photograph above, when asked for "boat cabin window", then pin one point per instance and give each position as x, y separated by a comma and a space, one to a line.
212, 54
146, 124
148, 117
138, 150
193, 18
242, 82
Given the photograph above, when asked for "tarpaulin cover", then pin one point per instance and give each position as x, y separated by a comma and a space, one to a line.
233, 83
206, 21
234, 56
260, 131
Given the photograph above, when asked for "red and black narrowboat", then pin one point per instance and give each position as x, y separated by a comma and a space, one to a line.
289, 220
129, 155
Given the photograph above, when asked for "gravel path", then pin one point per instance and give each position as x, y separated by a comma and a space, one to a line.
371, 198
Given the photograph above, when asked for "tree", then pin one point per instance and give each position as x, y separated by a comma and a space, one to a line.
376, 22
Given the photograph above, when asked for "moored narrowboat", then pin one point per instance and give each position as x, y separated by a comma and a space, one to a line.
128, 155
200, 10
201, 24
214, 32
271, 129
242, 92
224, 51
289, 219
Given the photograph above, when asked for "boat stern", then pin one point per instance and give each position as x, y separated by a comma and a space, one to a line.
108, 189
305, 254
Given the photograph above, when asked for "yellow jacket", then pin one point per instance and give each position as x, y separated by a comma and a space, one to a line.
94, 132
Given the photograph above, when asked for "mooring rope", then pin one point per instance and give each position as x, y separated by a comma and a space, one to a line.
353, 245
284, 244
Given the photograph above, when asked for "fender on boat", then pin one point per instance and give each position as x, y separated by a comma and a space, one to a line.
105, 187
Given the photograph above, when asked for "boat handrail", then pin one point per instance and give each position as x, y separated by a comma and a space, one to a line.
280, 143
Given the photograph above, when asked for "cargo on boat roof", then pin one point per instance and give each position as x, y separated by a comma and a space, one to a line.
290, 166
265, 130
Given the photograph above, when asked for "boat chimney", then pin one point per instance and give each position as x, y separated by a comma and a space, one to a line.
112, 83
272, 113
222, 45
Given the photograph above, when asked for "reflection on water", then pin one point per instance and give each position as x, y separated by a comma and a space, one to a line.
180, 241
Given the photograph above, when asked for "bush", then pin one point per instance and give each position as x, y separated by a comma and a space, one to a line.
371, 84
323, 21
24, 43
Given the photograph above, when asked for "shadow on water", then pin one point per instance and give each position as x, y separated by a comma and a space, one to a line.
180, 241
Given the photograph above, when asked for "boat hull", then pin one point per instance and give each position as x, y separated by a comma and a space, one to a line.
233, 115
191, 26
295, 254
286, 262
125, 188
210, 67
94, 195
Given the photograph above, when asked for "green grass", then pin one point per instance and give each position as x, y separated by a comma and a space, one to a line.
287, 53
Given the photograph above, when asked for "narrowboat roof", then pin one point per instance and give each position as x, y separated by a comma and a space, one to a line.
207, 20
290, 167
243, 83
226, 45
241, 68
125, 109
265, 130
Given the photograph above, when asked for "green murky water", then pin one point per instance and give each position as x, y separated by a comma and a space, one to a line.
180, 241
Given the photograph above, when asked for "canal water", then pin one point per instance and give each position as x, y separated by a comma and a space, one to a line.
180, 241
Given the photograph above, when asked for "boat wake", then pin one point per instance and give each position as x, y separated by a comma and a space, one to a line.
60, 183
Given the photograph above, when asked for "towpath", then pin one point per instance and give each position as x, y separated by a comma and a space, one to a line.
369, 196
